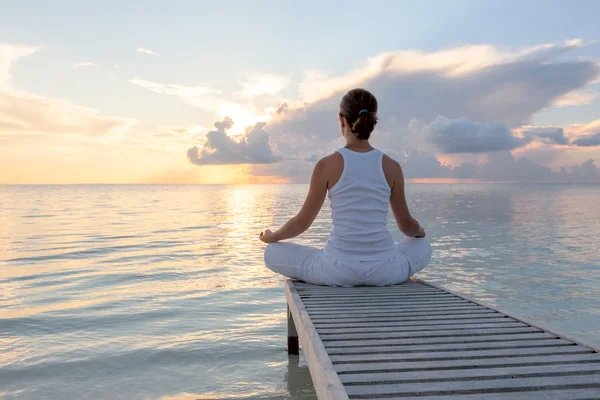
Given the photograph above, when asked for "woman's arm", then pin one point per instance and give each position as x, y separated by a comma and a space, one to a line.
406, 223
309, 211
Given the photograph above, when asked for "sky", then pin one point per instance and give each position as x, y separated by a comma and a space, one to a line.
248, 92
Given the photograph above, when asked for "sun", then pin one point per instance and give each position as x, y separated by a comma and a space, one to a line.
242, 118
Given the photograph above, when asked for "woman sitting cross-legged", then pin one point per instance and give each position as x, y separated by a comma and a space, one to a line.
362, 183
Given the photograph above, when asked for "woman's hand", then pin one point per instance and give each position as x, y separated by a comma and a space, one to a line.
421, 233
267, 236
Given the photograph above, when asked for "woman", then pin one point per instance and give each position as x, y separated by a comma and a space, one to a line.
362, 181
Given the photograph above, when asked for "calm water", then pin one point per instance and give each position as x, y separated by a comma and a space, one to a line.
150, 292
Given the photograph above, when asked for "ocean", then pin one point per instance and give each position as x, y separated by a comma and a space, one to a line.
160, 292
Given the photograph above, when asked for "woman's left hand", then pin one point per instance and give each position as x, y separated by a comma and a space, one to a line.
267, 236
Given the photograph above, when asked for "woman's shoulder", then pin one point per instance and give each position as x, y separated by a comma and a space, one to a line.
331, 166
389, 162
391, 169
332, 159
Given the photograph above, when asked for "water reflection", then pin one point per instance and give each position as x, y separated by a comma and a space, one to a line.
298, 380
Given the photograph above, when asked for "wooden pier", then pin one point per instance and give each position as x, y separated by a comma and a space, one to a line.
421, 341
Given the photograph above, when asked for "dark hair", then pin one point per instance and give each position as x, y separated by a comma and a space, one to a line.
353, 106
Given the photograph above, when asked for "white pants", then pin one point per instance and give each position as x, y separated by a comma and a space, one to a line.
310, 265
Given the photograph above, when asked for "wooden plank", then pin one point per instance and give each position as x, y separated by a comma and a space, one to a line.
385, 289
325, 380
560, 394
421, 313
426, 306
429, 328
524, 337
469, 373
408, 317
396, 308
431, 303
375, 303
367, 292
422, 365
320, 296
554, 394
369, 324
405, 285
395, 299
377, 299
366, 349
588, 380
440, 333
415, 308
358, 323
398, 288
453, 355
342, 296
556, 332
368, 295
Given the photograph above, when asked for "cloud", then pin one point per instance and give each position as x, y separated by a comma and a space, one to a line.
576, 99
22, 112
586, 172
251, 148
209, 99
418, 164
462, 135
588, 141
487, 99
10, 54
173, 89
146, 51
83, 64
552, 135
474, 82
263, 84
459, 62
499, 167
187, 132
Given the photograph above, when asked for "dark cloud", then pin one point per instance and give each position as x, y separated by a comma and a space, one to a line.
509, 92
586, 172
417, 164
251, 148
281, 108
588, 141
501, 167
462, 135
548, 135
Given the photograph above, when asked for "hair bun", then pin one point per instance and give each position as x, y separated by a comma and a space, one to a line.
360, 108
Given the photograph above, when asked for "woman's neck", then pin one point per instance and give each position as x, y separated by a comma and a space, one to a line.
356, 144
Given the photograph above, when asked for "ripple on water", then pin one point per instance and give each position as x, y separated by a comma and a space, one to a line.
150, 292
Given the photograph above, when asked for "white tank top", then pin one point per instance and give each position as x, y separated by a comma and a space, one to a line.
359, 209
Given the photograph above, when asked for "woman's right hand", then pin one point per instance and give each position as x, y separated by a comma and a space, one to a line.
267, 236
421, 233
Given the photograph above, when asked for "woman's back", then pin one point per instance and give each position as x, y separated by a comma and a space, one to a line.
363, 184
359, 209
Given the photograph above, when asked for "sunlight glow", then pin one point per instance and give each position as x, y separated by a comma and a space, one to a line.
242, 117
